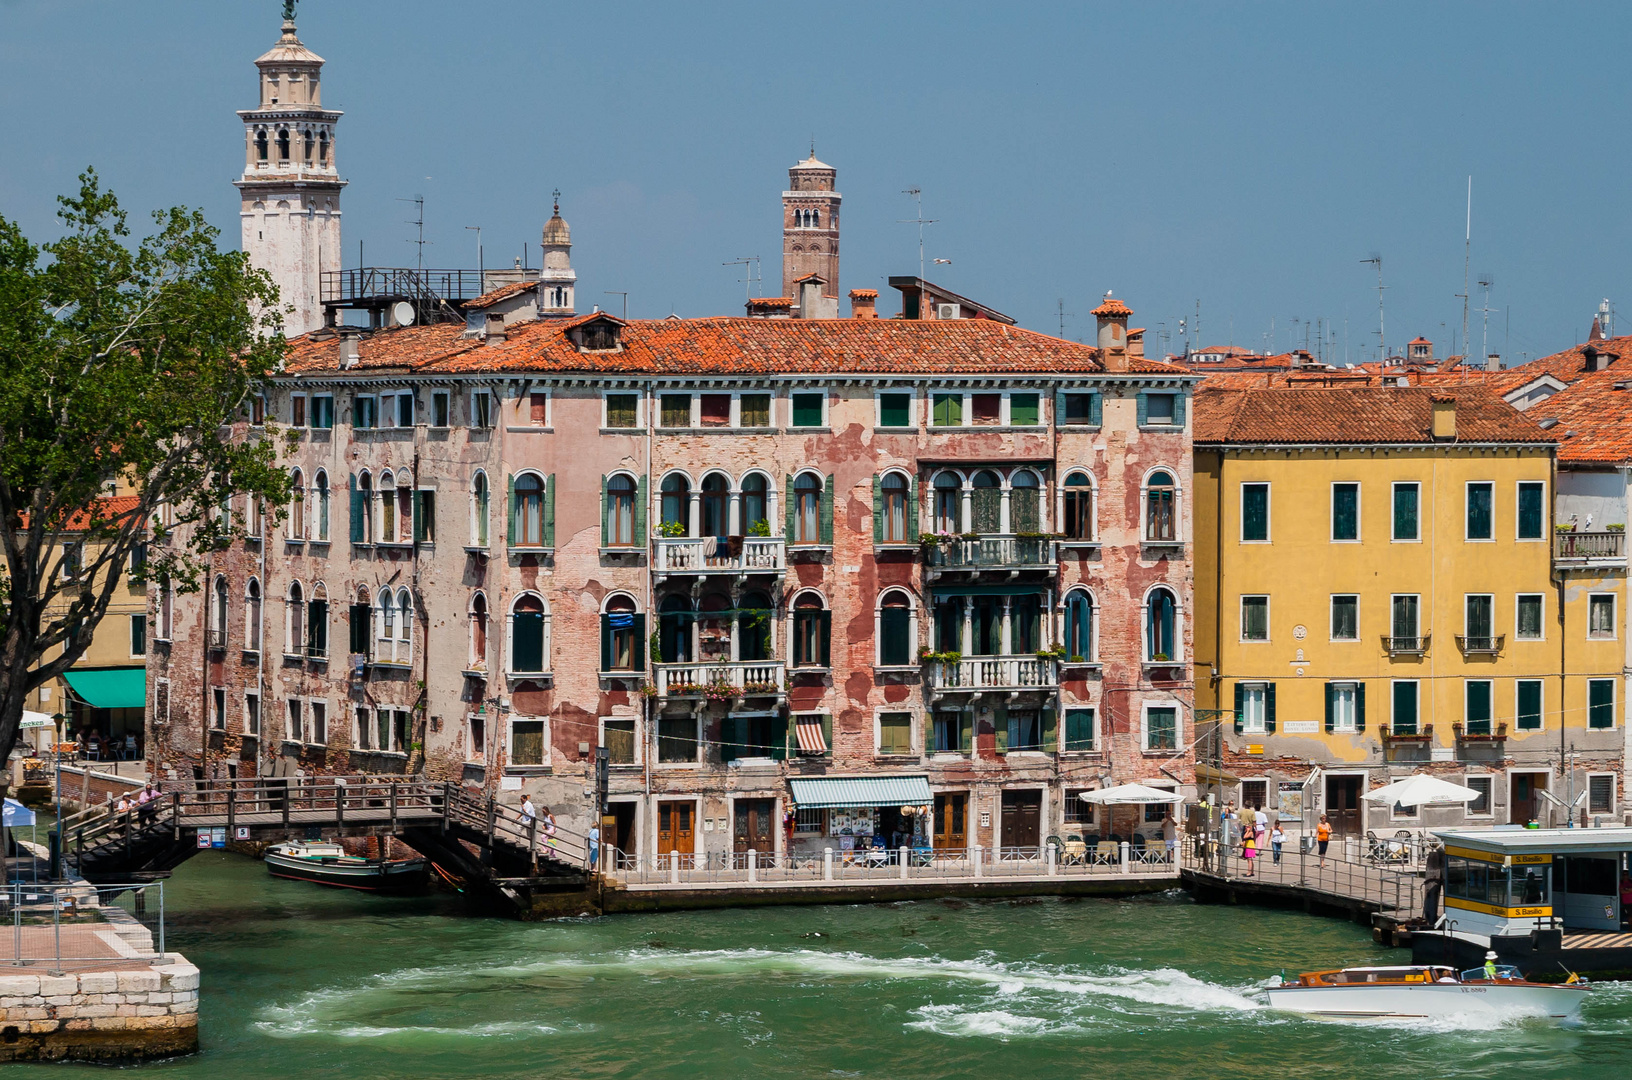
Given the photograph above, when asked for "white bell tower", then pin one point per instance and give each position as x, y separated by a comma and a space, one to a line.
557, 275
290, 191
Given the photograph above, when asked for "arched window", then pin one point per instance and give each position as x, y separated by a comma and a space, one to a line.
323, 147
529, 650
260, 146
297, 506
405, 625
283, 144
479, 510
218, 614
317, 623
405, 507
307, 143
1025, 503
894, 629
478, 633
948, 504
388, 509
755, 510
894, 511
252, 616
675, 620
294, 620
364, 507
1079, 508
623, 635
620, 510
529, 510
321, 491
754, 627
1079, 626
986, 505
807, 509
1161, 507
716, 508
358, 619
385, 627
676, 505
812, 632
1161, 626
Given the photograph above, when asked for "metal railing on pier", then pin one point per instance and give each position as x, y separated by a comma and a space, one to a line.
58, 925
1385, 873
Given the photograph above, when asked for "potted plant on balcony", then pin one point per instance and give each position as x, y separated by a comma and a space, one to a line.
760, 528
671, 529
1056, 653
1617, 528
719, 690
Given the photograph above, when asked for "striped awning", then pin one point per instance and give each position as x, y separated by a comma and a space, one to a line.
828, 792
811, 740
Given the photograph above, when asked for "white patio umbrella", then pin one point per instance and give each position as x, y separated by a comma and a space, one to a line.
1420, 789
1124, 794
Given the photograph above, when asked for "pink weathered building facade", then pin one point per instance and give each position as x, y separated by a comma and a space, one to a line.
739, 554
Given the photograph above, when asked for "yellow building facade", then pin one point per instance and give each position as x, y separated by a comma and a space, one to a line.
1377, 595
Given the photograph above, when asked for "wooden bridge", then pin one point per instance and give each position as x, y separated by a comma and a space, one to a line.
487, 848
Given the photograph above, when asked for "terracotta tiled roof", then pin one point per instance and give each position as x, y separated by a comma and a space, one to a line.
1571, 364
1111, 307
1594, 419
1372, 414
725, 346
503, 292
865, 294
108, 508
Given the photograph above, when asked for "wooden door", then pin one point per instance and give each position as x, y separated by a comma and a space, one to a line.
951, 829
755, 829
675, 827
1022, 818
1524, 805
1343, 804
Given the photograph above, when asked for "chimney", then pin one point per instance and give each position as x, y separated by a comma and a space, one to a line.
349, 340
1493, 362
495, 328
1136, 342
1443, 426
770, 307
864, 303
1113, 333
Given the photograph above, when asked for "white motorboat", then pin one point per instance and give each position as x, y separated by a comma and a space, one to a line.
1365, 992
328, 864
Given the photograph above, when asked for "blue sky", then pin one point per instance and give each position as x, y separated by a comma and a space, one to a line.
1246, 156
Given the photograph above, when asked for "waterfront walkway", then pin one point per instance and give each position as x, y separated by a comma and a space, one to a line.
1349, 883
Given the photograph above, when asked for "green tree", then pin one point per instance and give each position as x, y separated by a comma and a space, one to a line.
119, 362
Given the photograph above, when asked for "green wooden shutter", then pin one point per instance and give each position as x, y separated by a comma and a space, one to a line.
1331, 695
1269, 709
419, 517
1000, 729
827, 510
638, 654
1144, 409
606, 642
1240, 694
357, 510
827, 733
1178, 408
549, 511
966, 731
1051, 732
878, 509
640, 511
1095, 402
510, 511
1359, 706
606, 514
912, 509
788, 510
824, 637
779, 738
929, 731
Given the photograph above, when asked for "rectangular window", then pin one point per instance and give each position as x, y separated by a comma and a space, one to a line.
1601, 616
296, 731
618, 736
676, 739
895, 410
1481, 499
538, 408
365, 732
1600, 703
1404, 720
1345, 708
1346, 618
674, 410
257, 410
405, 409
716, 410
218, 708
623, 411
1479, 621
364, 412
1479, 807
320, 721
810, 822
138, 635
1162, 728
322, 412
807, 409
1601, 794
1477, 706
1026, 730
1345, 512
1159, 408
526, 742
1077, 410
1254, 513
1253, 702
481, 409
439, 408
1528, 704
478, 738
1528, 617
1532, 516
895, 733
1079, 729
946, 410
1403, 625
1024, 411
754, 411
1407, 506
1254, 794
1255, 618
252, 713
986, 410
949, 729
297, 410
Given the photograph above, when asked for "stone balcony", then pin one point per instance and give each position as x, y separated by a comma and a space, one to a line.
1002, 554
719, 555
981, 674
722, 680
1589, 549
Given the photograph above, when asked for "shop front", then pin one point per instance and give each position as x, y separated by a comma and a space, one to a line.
860, 816
106, 707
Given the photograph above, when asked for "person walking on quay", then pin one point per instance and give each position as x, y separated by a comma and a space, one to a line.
1170, 833
528, 814
1260, 829
594, 846
1323, 838
1249, 848
548, 821
1276, 839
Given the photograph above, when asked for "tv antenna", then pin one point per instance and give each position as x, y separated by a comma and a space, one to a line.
1382, 339
750, 265
918, 197
418, 222
1064, 314
1485, 282
1467, 249
614, 292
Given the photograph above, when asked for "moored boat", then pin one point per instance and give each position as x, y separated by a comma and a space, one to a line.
1427, 991
328, 864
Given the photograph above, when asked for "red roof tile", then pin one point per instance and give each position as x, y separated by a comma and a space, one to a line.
1594, 419
1371, 414
503, 292
1111, 307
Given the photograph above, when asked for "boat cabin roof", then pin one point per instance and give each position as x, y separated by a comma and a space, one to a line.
1518, 840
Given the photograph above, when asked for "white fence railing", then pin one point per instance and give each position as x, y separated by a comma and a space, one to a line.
719, 554
994, 673
698, 680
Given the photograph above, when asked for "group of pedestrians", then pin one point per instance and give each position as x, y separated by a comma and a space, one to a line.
144, 803
1251, 831
546, 826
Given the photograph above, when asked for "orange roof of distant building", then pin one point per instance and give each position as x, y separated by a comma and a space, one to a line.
1349, 415
1110, 308
1593, 419
503, 292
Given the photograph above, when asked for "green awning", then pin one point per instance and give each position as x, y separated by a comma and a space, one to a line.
941, 592
109, 688
830, 792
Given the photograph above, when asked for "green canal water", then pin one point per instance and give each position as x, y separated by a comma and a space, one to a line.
301, 981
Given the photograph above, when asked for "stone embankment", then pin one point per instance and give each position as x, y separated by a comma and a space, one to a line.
140, 1009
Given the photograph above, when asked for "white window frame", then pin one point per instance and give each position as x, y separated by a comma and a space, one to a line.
696, 738
1241, 510
1245, 640
1349, 725
1490, 797
1614, 793
1466, 597
1393, 489
1416, 685
1418, 597
1178, 627
476, 419
1254, 721
1467, 721
305, 410
736, 408
252, 721
1144, 726
913, 410
1546, 522
964, 407
1359, 512
294, 731
640, 742
1517, 634
362, 729
827, 404
510, 636
356, 402
311, 412
1614, 629
640, 410
1181, 532
444, 399
693, 404
1331, 618
1467, 497
142, 616
914, 726
311, 721
510, 723
1007, 413
524, 409
1542, 683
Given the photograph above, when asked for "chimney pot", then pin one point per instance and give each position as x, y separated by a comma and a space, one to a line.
1443, 423
495, 328
864, 303
350, 352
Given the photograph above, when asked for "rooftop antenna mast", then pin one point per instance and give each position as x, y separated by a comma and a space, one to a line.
1382, 339
750, 265
1064, 314
918, 197
1467, 250
1485, 282
418, 222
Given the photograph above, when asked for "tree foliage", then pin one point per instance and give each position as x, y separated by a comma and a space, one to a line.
130, 364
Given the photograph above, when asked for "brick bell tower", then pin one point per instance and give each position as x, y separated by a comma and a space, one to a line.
290, 190
810, 228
